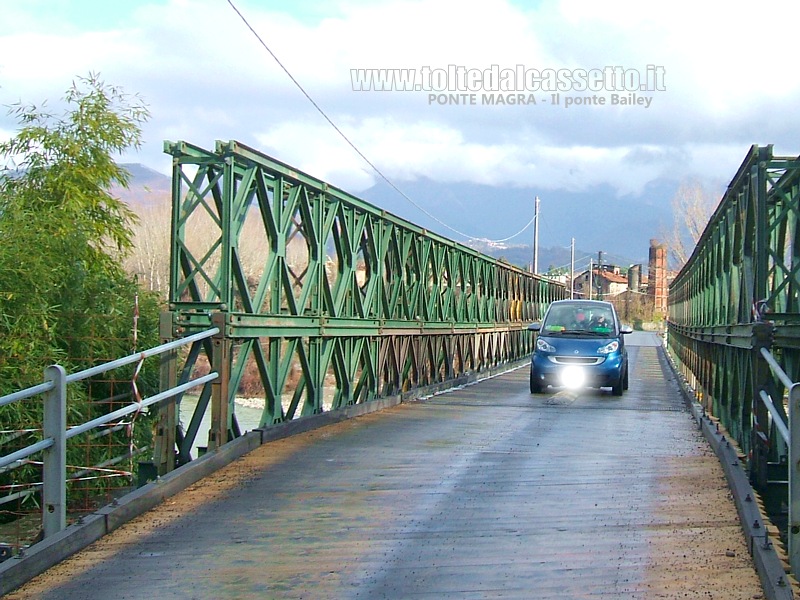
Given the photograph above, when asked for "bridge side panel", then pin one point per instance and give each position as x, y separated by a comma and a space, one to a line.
328, 301
737, 294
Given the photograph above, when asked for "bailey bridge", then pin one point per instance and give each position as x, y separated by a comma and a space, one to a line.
398, 452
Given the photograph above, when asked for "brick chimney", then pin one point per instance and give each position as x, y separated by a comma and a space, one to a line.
657, 286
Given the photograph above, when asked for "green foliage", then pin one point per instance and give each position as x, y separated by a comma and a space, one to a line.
67, 163
64, 296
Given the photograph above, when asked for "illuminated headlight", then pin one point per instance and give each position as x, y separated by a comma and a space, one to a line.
544, 346
573, 377
609, 348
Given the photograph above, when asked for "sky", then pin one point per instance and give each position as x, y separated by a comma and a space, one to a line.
724, 84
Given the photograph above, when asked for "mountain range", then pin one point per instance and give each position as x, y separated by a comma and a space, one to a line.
598, 219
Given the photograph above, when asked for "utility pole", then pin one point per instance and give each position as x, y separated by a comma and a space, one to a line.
590, 278
572, 269
536, 236
599, 271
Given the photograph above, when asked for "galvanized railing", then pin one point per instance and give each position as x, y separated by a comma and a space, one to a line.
790, 433
56, 433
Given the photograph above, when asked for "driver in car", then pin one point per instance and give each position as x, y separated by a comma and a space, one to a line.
580, 321
599, 321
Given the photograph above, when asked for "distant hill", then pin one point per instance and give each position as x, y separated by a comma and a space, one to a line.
556, 256
597, 218
146, 186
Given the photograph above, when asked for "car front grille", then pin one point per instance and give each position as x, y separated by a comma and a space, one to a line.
577, 360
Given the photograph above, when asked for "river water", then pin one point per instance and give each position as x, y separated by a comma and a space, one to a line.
247, 415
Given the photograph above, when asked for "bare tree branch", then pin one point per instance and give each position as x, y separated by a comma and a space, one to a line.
692, 206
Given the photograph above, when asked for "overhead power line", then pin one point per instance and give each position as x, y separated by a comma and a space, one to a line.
355, 148
577, 260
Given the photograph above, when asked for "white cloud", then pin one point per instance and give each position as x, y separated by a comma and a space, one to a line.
206, 77
410, 151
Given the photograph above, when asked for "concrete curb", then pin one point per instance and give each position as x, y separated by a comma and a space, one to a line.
768, 565
41, 556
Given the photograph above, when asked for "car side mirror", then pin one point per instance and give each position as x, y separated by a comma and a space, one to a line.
534, 327
625, 329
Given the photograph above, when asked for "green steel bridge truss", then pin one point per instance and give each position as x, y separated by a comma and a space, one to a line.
325, 300
737, 294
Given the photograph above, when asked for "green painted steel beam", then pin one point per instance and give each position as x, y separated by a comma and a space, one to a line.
326, 299
739, 292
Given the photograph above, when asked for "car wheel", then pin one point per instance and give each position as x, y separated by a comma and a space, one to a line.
536, 387
618, 387
625, 380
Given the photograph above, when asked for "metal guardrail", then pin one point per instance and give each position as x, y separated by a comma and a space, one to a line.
792, 387
790, 435
734, 324
55, 431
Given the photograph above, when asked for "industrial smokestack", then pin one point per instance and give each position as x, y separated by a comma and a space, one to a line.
634, 277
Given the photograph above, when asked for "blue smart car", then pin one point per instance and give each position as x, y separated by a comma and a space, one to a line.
581, 343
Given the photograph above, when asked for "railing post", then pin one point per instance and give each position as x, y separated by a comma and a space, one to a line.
314, 398
164, 442
54, 472
220, 388
794, 477
759, 446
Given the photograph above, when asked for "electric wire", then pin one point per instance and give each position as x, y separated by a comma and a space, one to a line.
577, 261
588, 257
355, 148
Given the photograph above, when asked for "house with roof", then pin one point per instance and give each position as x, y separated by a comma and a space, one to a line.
606, 281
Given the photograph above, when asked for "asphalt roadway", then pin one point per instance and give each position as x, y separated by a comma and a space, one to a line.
480, 492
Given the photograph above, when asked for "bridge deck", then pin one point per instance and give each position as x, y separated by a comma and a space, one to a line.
483, 492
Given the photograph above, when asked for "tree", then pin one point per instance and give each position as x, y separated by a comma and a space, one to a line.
692, 207
149, 259
57, 218
64, 296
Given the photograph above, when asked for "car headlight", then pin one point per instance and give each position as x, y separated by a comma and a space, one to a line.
544, 346
573, 377
609, 348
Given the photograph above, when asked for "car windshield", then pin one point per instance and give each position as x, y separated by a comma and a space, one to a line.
577, 319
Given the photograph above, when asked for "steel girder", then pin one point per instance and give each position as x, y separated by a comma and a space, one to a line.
327, 299
738, 293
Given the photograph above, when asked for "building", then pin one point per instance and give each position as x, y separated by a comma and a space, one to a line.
606, 282
638, 294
